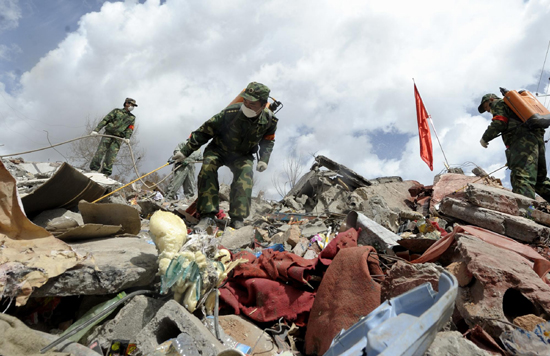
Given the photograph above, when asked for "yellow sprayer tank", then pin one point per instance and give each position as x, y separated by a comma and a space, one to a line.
239, 99
525, 104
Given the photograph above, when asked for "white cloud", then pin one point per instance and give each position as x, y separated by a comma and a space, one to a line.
339, 68
10, 14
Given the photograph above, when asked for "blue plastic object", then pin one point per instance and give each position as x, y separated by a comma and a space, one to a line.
276, 247
404, 325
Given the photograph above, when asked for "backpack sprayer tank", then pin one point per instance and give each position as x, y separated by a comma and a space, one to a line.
271, 106
525, 105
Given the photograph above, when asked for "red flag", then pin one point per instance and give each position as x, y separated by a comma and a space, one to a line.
426, 151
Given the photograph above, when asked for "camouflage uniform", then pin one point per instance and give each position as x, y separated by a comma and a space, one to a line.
119, 122
234, 139
184, 175
525, 151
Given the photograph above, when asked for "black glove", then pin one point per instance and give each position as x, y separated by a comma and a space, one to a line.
538, 123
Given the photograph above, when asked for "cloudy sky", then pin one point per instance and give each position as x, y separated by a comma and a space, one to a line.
342, 69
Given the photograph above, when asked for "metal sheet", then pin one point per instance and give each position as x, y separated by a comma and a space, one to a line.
63, 190
111, 214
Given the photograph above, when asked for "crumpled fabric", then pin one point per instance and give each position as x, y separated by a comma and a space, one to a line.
276, 284
347, 293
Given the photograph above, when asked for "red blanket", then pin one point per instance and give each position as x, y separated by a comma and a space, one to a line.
347, 293
275, 284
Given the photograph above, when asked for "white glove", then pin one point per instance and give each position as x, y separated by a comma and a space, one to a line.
178, 157
483, 143
261, 166
94, 133
127, 140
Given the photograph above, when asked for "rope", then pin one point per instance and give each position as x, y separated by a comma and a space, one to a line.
477, 180
87, 136
139, 178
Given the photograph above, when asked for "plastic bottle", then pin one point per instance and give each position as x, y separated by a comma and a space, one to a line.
185, 345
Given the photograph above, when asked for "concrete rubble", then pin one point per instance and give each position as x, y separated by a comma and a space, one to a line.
256, 277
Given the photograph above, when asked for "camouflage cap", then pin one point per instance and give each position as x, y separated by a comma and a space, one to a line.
131, 101
483, 100
256, 91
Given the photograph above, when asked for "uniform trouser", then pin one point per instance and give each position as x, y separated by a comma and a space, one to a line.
184, 176
108, 148
208, 202
527, 161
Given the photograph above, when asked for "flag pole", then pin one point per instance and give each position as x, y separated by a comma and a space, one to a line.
436, 136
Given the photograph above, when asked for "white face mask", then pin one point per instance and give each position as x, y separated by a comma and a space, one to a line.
130, 108
248, 112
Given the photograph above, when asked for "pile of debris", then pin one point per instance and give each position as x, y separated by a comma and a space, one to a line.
341, 265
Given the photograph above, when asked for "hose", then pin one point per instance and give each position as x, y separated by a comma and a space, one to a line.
125, 185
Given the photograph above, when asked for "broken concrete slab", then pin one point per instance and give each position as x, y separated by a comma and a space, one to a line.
331, 199
403, 277
453, 343
303, 186
498, 199
58, 219
241, 238
460, 271
293, 204
372, 233
63, 190
102, 180
249, 334
301, 247
310, 254
377, 209
292, 235
170, 321
257, 207
452, 184
395, 194
117, 264
313, 228
539, 216
350, 178
516, 227
129, 321
504, 287
111, 214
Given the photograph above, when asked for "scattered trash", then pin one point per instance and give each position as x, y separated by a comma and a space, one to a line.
275, 269
528, 343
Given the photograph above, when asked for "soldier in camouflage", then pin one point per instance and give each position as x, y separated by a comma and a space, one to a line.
184, 175
525, 150
237, 132
120, 123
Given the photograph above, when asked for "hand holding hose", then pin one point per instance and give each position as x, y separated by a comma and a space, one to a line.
178, 157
